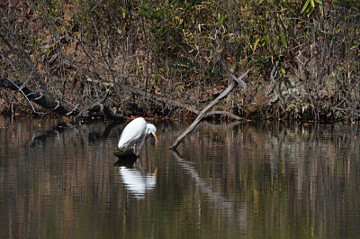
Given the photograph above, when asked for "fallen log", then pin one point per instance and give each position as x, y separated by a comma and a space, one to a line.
43, 100
60, 107
49, 102
201, 115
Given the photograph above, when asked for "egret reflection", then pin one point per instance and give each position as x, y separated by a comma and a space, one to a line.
136, 182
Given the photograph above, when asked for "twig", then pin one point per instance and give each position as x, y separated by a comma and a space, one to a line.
273, 74
99, 42
19, 89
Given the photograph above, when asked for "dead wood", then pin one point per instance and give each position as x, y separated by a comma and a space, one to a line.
168, 102
60, 107
43, 100
64, 108
201, 115
177, 104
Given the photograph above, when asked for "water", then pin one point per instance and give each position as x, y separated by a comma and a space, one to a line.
226, 181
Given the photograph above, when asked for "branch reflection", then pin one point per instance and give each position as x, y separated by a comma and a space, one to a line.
238, 215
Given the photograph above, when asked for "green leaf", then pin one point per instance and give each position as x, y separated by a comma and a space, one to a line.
256, 43
123, 11
305, 6
283, 40
222, 18
267, 40
312, 3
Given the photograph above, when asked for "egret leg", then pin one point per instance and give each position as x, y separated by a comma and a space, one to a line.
137, 153
134, 149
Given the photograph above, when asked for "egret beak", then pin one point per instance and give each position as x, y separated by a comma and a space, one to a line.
155, 136
155, 172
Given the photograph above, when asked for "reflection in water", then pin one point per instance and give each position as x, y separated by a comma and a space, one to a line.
229, 181
136, 182
217, 198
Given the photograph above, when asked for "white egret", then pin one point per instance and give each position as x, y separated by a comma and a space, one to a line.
134, 132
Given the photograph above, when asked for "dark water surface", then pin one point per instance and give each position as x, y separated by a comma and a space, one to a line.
227, 181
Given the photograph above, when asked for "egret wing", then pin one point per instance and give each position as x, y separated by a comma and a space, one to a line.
132, 133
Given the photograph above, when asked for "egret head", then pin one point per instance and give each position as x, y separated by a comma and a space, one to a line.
151, 129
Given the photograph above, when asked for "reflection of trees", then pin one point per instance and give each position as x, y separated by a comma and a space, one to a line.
287, 181
93, 131
302, 175
52, 170
316, 164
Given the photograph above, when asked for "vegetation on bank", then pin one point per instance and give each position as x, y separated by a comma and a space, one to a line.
172, 58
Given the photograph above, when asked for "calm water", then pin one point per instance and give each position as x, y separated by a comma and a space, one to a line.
226, 181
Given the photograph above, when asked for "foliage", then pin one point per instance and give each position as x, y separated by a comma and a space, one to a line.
174, 46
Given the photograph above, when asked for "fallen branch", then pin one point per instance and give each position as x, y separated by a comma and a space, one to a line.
180, 105
167, 101
62, 108
109, 113
43, 100
207, 108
